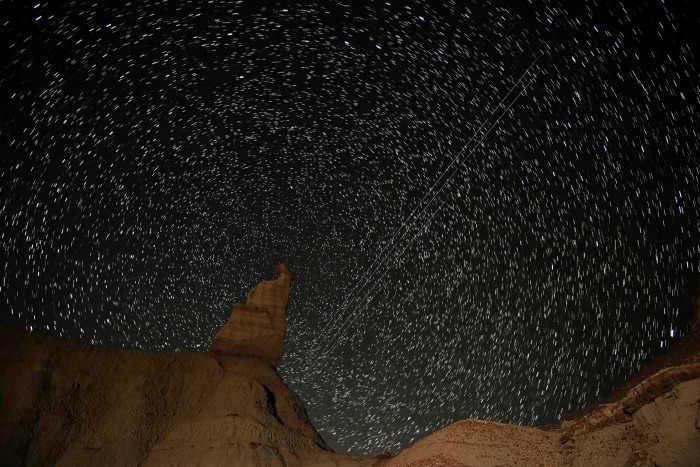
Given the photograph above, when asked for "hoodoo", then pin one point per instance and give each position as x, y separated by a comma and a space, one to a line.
256, 329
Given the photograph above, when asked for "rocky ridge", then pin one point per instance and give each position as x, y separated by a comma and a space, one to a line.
63, 402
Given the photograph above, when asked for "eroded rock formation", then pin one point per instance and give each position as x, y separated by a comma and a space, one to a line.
661, 433
256, 329
63, 402
650, 419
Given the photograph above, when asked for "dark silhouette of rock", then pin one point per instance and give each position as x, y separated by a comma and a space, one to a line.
256, 329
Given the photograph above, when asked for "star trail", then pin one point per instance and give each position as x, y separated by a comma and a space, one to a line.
461, 252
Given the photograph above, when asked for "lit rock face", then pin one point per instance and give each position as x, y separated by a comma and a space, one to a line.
256, 329
66, 403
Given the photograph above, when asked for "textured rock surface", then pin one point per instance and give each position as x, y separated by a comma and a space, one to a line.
651, 419
68, 403
661, 433
256, 329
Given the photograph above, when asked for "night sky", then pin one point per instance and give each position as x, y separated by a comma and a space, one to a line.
492, 207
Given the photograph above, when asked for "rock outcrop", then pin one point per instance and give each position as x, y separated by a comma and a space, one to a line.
662, 432
650, 419
63, 402
256, 329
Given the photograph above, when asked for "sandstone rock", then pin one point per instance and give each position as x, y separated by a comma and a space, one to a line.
256, 329
650, 419
63, 402
662, 432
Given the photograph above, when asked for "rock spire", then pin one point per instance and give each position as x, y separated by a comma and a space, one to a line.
256, 329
